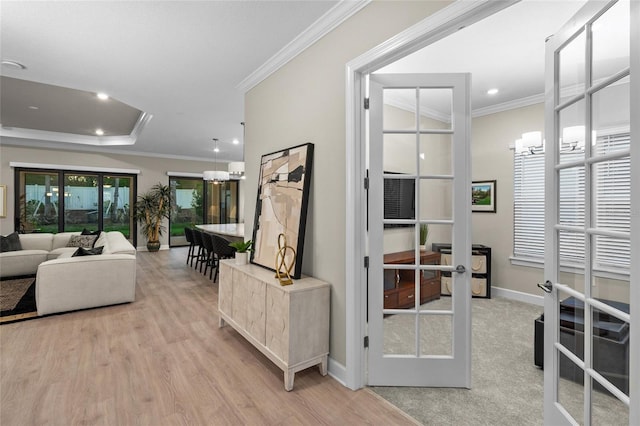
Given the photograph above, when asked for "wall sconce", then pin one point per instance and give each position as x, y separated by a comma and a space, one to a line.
530, 143
572, 138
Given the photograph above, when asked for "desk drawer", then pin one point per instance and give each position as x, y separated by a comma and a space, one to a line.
391, 300
406, 297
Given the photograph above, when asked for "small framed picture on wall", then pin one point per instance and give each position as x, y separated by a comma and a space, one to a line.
3, 200
483, 196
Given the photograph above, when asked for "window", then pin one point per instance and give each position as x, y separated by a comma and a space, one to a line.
196, 201
612, 206
63, 201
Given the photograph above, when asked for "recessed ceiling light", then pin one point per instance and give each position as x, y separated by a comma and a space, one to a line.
103, 96
492, 91
236, 141
33, 107
14, 64
99, 132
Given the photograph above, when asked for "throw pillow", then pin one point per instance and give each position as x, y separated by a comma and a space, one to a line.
85, 241
10, 243
87, 252
85, 231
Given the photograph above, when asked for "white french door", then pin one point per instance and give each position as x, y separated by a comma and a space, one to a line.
419, 171
591, 236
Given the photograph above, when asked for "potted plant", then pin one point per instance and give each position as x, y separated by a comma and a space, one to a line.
424, 235
242, 251
152, 208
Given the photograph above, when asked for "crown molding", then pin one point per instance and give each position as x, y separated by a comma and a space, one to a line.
76, 139
505, 106
325, 24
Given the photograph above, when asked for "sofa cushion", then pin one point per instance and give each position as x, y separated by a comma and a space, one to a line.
102, 241
85, 241
61, 252
21, 262
87, 252
61, 239
10, 243
36, 241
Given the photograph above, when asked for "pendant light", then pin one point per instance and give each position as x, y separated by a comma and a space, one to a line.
215, 175
236, 168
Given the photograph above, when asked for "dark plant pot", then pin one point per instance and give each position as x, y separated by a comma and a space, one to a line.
153, 245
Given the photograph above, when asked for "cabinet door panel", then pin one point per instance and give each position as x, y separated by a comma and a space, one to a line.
225, 289
240, 296
256, 304
277, 324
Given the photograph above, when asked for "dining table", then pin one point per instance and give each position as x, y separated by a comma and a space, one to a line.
229, 231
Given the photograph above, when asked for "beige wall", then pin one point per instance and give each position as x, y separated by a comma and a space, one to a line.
492, 159
153, 170
304, 101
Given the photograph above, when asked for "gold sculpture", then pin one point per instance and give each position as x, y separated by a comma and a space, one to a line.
284, 278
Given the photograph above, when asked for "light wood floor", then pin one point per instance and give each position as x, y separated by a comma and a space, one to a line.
162, 360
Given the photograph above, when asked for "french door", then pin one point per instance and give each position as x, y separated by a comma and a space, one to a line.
419, 171
591, 236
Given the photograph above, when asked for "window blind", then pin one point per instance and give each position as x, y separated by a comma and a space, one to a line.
611, 199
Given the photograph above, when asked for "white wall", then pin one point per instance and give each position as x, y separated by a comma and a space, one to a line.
304, 101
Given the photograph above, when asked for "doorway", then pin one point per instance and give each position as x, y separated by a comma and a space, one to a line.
356, 324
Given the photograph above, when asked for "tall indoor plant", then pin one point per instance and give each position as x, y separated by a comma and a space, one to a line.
151, 208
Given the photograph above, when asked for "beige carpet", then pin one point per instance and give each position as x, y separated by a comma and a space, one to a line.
507, 386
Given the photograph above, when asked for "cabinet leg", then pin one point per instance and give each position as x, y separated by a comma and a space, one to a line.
323, 365
289, 375
220, 322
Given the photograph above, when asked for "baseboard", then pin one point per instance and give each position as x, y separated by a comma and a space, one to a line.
144, 248
337, 371
517, 295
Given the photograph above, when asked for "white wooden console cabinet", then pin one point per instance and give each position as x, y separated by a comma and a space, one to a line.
288, 324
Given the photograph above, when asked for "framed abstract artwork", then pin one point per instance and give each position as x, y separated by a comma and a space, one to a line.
483, 196
281, 207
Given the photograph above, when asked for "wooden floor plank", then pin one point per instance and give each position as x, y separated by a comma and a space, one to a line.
162, 360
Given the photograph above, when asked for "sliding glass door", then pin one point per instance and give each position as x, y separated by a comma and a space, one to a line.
65, 201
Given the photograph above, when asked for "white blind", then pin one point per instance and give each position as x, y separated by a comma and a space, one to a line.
611, 199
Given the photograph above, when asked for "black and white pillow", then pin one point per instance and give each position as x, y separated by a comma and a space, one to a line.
85, 241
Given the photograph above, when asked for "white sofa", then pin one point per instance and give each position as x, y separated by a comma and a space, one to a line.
66, 283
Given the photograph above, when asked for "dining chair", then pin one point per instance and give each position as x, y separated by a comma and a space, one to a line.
209, 258
221, 250
188, 234
197, 238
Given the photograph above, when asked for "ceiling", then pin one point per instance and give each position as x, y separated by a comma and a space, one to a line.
182, 63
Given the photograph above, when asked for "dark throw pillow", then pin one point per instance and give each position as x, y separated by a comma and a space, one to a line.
10, 243
87, 252
85, 231
85, 241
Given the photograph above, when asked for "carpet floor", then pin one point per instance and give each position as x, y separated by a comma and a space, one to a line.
17, 299
507, 388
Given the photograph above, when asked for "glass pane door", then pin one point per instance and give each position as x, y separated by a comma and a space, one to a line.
187, 209
117, 200
588, 224
419, 194
81, 202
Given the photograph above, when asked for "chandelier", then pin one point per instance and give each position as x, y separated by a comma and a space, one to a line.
215, 175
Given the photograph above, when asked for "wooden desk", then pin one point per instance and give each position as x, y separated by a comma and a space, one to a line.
399, 284
229, 231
